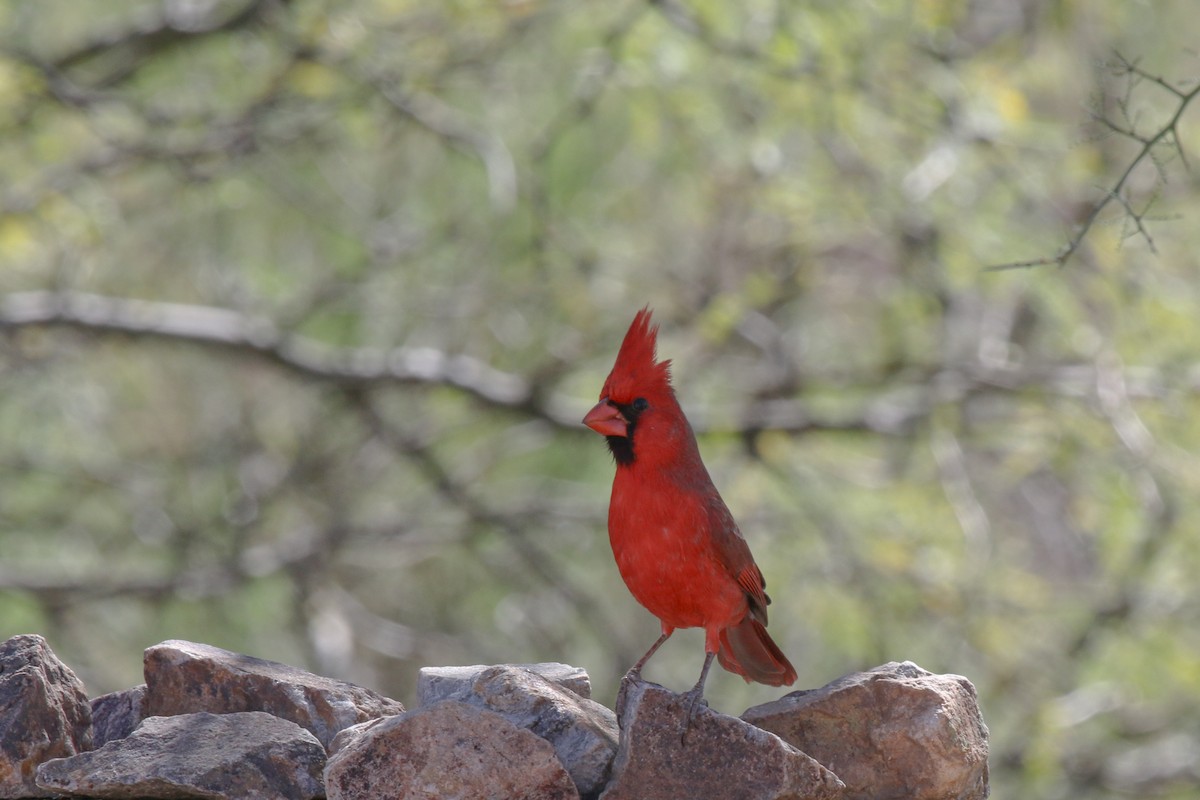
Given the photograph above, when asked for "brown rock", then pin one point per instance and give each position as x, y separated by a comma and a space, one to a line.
185, 677
583, 732
252, 755
115, 715
44, 713
723, 757
446, 751
896, 731
450, 683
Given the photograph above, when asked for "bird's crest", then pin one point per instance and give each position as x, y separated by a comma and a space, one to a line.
637, 371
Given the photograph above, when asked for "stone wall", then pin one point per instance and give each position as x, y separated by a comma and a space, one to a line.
209, 723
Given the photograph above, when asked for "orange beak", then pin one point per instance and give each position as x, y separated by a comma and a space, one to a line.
606, 419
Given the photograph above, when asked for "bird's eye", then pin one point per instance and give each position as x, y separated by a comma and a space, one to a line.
640, 404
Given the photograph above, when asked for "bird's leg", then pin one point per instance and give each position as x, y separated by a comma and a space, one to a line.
635, 672
694, 696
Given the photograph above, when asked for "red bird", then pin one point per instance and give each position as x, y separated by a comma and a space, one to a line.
675, 542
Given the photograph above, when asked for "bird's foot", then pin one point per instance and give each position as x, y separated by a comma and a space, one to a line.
692, 698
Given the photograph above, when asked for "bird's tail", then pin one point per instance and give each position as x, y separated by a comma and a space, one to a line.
748, 650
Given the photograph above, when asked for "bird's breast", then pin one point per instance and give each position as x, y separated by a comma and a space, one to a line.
665, 553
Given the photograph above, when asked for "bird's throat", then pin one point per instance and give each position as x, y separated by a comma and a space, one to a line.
622, 449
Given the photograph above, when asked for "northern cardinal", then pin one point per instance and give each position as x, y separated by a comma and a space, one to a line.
675, 542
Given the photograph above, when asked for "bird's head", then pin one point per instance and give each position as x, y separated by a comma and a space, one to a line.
637, 392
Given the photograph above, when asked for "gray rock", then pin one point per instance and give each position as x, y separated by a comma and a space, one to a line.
896, 731
451, 683
449, 751
115, 715
245, 755
44, 713
723, 757
186, 677
583, 732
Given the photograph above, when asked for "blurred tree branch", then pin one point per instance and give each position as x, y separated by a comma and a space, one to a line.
452, 125
124, 51
537, 561
1117, 604
237, 332
693, 24
893, 411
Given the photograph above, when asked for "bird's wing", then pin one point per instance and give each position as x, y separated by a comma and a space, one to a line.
735, 555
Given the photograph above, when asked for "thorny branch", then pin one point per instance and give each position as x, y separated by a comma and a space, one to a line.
1166, 134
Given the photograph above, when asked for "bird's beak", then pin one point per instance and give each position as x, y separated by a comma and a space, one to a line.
604, 418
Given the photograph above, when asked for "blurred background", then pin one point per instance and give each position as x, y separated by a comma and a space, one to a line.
301, 304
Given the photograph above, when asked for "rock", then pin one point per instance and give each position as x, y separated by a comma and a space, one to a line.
448, 750
250, 754
44, 713
583, 732
448, 683
115, 715
722, 758
185, 677
896, 731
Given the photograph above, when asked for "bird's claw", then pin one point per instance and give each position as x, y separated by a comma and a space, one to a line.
630, 679
692, 699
